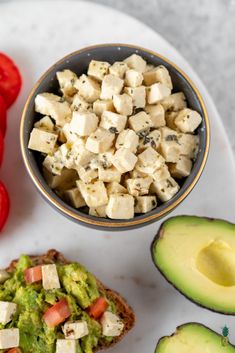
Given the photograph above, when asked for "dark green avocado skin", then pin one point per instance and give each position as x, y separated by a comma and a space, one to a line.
157, 237
188, 324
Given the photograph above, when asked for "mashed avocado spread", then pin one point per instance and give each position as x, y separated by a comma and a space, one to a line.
77, 286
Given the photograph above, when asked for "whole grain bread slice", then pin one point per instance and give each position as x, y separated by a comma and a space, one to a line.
123, 309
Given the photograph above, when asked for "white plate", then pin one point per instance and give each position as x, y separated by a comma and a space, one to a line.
36, 34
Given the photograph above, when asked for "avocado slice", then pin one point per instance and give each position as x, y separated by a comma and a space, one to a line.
197, 256
194, 338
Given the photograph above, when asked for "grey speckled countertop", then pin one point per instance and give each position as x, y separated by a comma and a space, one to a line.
203, 31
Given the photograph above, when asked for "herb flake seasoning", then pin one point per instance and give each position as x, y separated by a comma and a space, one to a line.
113, 130
171, 138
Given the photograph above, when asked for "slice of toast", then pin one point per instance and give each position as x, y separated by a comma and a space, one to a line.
123, 309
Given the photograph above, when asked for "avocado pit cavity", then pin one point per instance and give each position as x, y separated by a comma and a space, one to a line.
216, 261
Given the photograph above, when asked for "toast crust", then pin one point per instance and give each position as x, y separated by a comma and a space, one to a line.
123, 309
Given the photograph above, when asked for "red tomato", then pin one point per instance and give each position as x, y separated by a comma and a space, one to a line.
14, 350
3, 116
33, 274
97, 309
10, 79
1, 147
57, 313
4, 205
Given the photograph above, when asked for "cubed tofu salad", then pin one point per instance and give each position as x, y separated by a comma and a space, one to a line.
116, 139
54, 308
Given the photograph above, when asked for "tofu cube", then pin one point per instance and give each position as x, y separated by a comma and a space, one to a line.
170, 151
111, 85
159, 74
170, 120
94, 194
140, 122
113, 122
108, 175
83, 123
133, 78
189, 145
79, 103
169, 135
123, 104
98, 211
138, 96
54, 106
118, 69
136, 62
144, 204
137, 174
101, 106
105, 160
98, 69
60, 182
88, 88
68, 135
73, 330
4, 275
170, 147
188, 120
66, 346
174, 102
50, 278
157, 115
127, 139
42, 141
45, 124
165, 189
112, 325
81, 156
120, 206
152, 139
124, 160
139, 186
74, 198
68, 154
66, 79
86, 173
157, 92
100, 141
149, 161
9, 338
161, 173
182, 168
7, 311
53, 163
115, 188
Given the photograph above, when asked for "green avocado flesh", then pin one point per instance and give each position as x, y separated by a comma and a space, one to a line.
194, 338
78, 286
197, 256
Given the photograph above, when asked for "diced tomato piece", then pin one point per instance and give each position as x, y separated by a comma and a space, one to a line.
57, 313
3, 116
33, 274
14, 350
4, 205
97, 309
1, 147
10, 79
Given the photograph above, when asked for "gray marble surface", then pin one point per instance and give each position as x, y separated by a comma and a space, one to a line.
203, 31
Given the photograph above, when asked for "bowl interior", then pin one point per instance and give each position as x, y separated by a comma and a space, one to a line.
78, 62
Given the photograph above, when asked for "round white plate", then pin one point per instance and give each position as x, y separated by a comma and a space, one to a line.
36, 34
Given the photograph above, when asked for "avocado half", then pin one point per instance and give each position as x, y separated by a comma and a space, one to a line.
197, 256
194, 338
